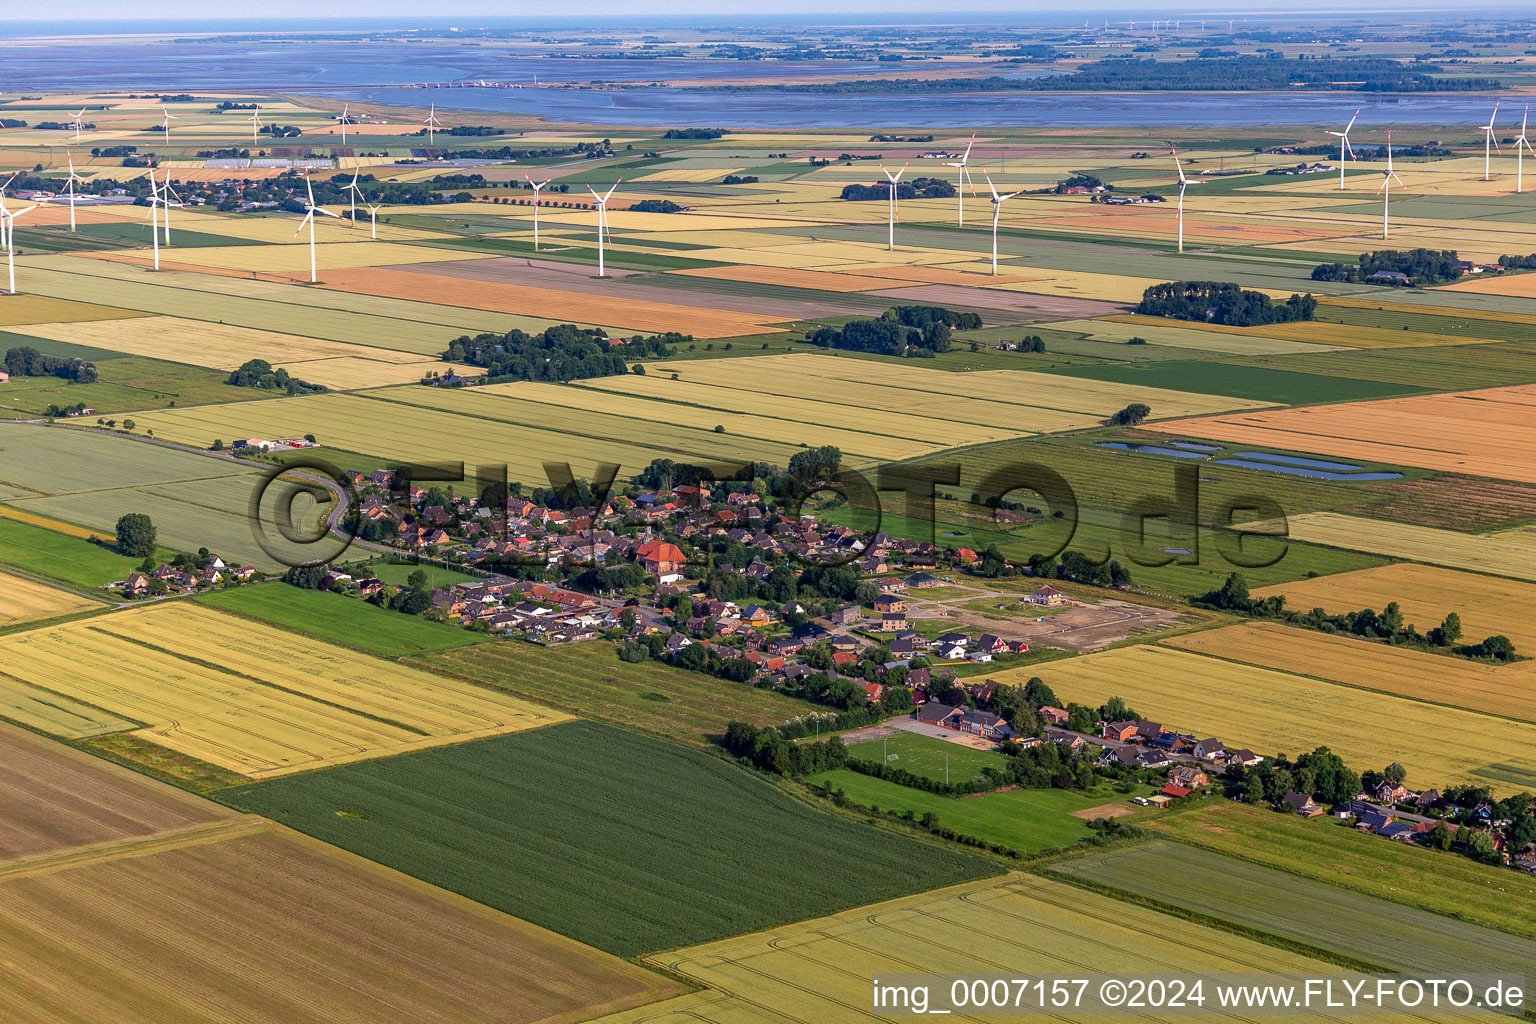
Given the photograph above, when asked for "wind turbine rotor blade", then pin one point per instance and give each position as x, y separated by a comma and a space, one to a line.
307, 218
610, 192
968, 146
1352, 121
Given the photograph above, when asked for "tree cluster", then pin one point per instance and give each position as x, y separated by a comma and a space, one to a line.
1221, 302
917, 188
896, 332
258, 373
25, 361
1421, 267
559, 353
655, 206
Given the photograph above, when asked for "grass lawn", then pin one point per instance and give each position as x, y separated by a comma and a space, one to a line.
1364, 928
619, 840
588, 679
1322, 849
396, 573
67, 559
1023, 819
342, 620
926, 756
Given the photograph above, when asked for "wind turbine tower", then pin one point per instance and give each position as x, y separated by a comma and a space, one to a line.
537, 186
310, 210
891, 202
1489, 142
963, 179
997, 208
1385, 191
602, 221
1184, 183
1344, 147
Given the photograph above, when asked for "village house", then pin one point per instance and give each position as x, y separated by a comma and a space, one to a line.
1300, 803
1047, 595
663, 560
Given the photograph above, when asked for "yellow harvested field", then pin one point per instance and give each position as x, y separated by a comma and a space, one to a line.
690, 173
791, 278
1016, 400
1519, 285
42, 309
1279, 712
1489, 433
221, 346
873, 434
22, 600
978, 278
1318, 332
551, 303
819, 971
350, 373
249, 697
1505, 690
278, 230
1426, 594
1081, 285
32, 518
1511, 553
242, 920
331, 253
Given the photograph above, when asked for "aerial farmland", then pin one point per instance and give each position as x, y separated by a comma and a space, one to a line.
535, 520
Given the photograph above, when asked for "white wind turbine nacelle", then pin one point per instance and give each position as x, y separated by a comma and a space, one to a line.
891, 200
998, 199
1490, 142
1344, 146
602, 220
964, 178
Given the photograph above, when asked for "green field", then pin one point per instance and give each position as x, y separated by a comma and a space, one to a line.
1322, 849
125, 384
927, 756
66, 559
621, 841
1021, 819
588, 679
1359, 927
1261, 383
342, 620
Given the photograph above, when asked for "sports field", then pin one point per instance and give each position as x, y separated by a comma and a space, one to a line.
1273, 712
1359, 926
253, 922
1426, 594
589, 680
618, 840
929, 757
246, 697
1456, 887
1509, 553
24, 600
818, 971
1489, 433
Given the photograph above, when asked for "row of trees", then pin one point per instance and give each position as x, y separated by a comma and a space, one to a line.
1222, 302
1388, 624
897, 330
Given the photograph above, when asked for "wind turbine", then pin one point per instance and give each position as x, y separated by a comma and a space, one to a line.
352, 188
171, 199
373, 218
1183, 184
1522, 144
964, 177
433, 124
255, 122
310, 209
156, 202
1385, 191
73, 177
169, 117
997, 209
1344, 147
891, 201
536, 186
344, 108
1489, 142
602, 220
8, 229
78, 123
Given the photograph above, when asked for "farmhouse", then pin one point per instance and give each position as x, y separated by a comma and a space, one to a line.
1047, 595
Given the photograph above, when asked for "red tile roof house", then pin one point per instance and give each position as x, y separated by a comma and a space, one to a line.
1120, 732
663, 560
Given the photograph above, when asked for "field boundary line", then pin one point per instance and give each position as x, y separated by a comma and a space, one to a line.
143, 846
